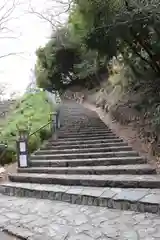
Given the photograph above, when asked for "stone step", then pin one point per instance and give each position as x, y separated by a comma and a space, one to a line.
82, 117
87, 134
78, 115
85, 138
66, 142
89, 121
86, 122
81, 131
77, 146
86, 125
135, 199
88, 162
97, 170
85, 129
83, 150
83, 155
81, 113
121, 181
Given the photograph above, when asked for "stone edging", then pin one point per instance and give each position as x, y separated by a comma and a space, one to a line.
143, 200
15, 233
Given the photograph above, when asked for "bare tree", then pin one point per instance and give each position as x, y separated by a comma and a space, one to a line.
14, 95
7, 9
55, 12
32, 83
7, 16
7, 92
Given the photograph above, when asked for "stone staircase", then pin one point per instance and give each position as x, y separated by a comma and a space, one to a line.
88, 164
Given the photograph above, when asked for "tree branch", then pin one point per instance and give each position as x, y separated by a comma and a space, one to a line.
48, 15
7, 8
10, 54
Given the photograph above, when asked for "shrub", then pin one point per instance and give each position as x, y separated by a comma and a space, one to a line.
32, 112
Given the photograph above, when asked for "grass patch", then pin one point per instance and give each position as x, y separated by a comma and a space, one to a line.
31, 112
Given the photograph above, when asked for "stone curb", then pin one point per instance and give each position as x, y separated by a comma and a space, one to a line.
140, 201
16, 233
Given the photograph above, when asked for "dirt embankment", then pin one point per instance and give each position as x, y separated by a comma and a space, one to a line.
119, 114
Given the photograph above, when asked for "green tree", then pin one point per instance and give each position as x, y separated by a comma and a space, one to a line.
97, 31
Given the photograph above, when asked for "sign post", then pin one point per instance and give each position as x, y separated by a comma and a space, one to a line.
22, 149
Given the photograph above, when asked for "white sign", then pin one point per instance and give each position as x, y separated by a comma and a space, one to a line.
22, 147
23, 160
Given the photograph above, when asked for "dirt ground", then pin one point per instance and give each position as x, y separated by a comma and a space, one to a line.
11, 168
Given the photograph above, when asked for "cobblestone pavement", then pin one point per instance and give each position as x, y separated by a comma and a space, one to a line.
43, 219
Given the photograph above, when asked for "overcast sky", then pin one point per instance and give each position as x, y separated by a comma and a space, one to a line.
33, 32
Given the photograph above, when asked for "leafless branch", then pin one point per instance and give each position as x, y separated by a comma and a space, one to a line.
10, 54
7, 15
7, 8
3, 88
50, 14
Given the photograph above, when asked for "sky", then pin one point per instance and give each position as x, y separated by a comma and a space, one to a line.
29, 32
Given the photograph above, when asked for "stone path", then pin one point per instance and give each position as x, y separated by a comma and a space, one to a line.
43, 219
103, 171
